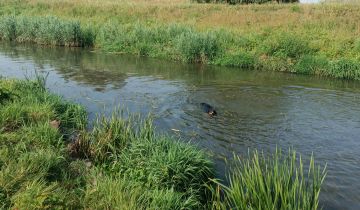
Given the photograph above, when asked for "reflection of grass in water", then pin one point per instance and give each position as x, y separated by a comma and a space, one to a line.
121, 162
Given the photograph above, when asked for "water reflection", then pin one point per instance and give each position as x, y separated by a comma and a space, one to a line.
255, 109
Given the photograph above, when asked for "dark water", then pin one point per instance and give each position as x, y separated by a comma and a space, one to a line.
255, 109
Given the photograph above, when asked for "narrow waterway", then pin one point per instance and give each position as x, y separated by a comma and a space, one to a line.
256, 110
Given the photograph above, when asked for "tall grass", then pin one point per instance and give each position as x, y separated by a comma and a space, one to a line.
148, 161
120, 163
272, 182
33, 161
45, 30
173, 41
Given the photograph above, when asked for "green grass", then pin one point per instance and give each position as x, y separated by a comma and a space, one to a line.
114, 165
279, 181
121, 163
45, 30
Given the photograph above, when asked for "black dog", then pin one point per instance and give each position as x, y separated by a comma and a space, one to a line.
208, 109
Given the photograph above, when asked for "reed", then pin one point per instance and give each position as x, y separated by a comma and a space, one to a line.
46, 30
279, 181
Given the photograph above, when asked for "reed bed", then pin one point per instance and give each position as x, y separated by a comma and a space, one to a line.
45, 30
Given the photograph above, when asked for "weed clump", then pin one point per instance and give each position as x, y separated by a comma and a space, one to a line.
197, 47
45, 30
286, 46
309, 64
272, 182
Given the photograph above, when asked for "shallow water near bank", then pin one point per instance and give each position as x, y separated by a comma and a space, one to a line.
256, 110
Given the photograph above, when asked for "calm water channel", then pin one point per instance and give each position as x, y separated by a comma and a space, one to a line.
259, 110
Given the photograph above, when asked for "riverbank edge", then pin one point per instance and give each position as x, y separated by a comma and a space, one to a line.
277, 50
48, 159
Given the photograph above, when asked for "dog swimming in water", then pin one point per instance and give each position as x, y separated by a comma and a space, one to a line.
208, 109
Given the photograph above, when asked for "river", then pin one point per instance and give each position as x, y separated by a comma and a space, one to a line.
256, 110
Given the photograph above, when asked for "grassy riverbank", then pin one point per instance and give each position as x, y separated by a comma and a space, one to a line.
308, 39
49, 160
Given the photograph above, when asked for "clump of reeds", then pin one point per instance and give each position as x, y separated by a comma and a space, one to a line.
47, 30
272, 182
174, 41
169, 171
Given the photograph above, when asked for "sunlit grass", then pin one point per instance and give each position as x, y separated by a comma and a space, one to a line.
119, 163
279, 181
45, 30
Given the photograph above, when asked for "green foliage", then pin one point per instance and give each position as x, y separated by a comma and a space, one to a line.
120, 193
296, 8
5, 95
168, 165
239, 59
267, 49
357, 45
173, 173
286, 45
197, 47
33, 162
309, 64
110, 193
275, 182
45, 30
178, 42
8, 28
344, 69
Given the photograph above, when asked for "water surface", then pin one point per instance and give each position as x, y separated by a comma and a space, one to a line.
256, 110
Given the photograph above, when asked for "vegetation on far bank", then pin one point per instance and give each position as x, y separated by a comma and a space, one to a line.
308, 39
49, 160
